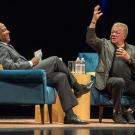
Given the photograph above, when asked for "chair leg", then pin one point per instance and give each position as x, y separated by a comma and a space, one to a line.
50, 112
42, 113
101, 109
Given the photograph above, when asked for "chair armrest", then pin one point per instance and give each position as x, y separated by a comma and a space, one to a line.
23, 75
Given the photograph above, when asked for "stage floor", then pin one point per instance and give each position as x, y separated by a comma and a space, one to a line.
28, 127
30, 123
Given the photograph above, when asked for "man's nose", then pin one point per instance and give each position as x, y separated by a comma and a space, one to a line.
113, 34
7, 31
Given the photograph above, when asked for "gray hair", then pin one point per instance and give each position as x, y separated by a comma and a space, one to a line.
124, 26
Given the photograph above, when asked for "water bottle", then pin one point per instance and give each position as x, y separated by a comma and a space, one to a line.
82, 65
77, 65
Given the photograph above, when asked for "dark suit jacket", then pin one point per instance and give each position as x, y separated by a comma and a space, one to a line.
11, 59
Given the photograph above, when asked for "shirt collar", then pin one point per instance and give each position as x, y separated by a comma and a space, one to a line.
4, 43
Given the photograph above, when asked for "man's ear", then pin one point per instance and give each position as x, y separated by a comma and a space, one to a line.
125, 37
110, 36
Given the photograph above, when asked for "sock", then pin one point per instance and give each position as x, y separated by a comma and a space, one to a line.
77, 87
130, 110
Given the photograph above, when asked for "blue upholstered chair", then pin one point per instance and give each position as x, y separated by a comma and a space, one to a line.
101, 98
26, 87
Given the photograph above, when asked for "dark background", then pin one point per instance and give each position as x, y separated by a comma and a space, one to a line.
55, 26
58, 27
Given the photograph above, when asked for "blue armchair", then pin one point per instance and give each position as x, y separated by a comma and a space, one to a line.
101, 98
26, 87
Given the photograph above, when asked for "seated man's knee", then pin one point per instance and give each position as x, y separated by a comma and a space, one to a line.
118, 81
61, 76
54, 57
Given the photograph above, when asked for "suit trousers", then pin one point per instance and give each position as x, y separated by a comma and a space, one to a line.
59, 77
129, 88
115, 87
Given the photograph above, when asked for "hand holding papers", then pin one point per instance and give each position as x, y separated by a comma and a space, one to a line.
38, 54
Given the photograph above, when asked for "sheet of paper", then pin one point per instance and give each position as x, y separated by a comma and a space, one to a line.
38, 54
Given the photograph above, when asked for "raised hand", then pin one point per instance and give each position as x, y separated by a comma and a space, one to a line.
96, 14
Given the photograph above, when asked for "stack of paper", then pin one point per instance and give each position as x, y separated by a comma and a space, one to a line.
38, 54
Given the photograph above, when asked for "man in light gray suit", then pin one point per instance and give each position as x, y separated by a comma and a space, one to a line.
58, 76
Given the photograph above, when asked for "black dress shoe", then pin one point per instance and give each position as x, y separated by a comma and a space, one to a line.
74, 120
85, 89
118, 118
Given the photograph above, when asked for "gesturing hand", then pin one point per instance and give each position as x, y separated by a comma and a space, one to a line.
35, 61
122, 54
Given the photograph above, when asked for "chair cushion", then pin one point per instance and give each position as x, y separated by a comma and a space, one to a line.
101, 97
25, 87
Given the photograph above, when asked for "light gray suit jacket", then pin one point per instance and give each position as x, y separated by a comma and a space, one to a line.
11, 59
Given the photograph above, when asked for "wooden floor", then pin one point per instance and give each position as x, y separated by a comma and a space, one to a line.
30, 123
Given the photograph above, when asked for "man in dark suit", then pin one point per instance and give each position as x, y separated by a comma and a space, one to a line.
58, 76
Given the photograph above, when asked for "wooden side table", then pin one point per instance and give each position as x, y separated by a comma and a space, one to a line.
82, 109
